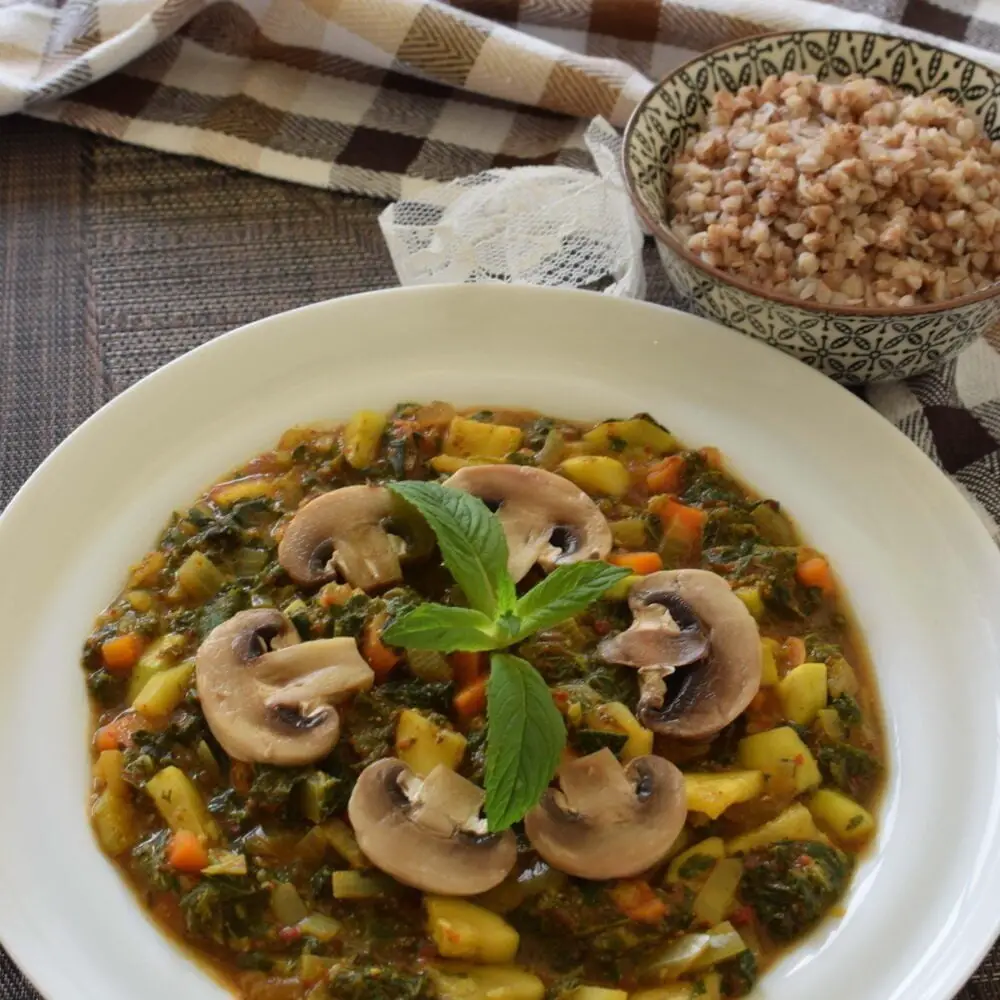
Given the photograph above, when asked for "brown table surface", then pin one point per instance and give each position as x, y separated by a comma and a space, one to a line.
115, 259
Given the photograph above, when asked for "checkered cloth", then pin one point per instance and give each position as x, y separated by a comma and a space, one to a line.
382, 97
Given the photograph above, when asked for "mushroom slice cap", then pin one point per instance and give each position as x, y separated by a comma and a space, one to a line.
606, 821
342, 534
546, 518
270, 698
428, 834
697, 648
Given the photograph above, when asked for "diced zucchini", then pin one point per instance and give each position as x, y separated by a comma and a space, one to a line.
638, 432
114, 822
199, 578
341, 838
315, 794
802, 692
109, 769
597, 993
615, 717
841, 678
724, 943
458, 981
630, 533
361, 885
160, 654
674, 959
768, 662
321, 927
313, 969
713, 793
620, 590
847, 821
597, 474
225, 863
751, 598
715, 898
464, 930
287, 905
521, 886
422, 745
180, 803
694, 865
429, 665
795, 823
474, 438
782, 756
164, 691
362, 437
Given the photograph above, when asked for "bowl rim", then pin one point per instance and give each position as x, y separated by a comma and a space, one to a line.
663, 233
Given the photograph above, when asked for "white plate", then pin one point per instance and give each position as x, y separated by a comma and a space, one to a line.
920, 570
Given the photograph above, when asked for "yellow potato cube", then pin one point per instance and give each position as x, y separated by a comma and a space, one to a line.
362, 437
782, 756
615, 717
180, 803
795, 823
724, 943
635, 433
847, 821
802, 692
114, 822
716, 897
751, 598
463, 930
597, 474
597, 993
829, 722
768, 662
474, 438
164, 691
695, 864
675, 991
422, 745
247, 488
458, 981
109, 769
712, 794
160, 654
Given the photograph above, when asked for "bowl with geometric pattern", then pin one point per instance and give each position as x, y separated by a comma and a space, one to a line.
854, 344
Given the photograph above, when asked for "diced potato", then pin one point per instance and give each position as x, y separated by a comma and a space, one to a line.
458, 981
694, 865
620, 590
341, 838
712, 794
681, 843
597, 993
164, 691
225, 863
828, 720
751, 598
768, 662
597, 474
635, 433
140, 600
724, 943
674, 959
715, 898
630, 533
802, 692
321, 927
675, 991
615, 717
180, 803
847, 821
362, 437
247, 488
448, 465
464, 930
473, 438
313, 969
841, 678
109, 769
422, 745
114, 822
781, 755
145, 573
360, 885
795, 823
199, 578
287, 905
160, 654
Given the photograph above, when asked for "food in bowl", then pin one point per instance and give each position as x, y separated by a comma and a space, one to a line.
847, 192
481, 704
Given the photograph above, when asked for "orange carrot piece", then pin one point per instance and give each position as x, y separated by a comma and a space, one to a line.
241, 776
186, 852
637, 900
122, 653
118, 732
642, 563
690, 518
815, 572
467, 667
713, 458
381, 658
665, 477
471, 701
794, 650
106, 738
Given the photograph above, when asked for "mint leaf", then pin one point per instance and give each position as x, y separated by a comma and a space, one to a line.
525, 738
471, 541
443, 628
565, 592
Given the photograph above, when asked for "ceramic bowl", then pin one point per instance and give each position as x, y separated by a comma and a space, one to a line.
853, 345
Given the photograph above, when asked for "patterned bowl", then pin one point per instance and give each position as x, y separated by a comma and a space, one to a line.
851, 344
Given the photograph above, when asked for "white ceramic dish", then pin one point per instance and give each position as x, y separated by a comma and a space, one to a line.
919, 568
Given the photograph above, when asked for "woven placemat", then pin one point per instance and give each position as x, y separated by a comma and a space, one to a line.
115, 259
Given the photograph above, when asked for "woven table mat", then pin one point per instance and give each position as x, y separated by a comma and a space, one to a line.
115, 259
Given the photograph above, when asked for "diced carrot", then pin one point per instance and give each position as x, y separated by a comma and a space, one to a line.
381, 658
642, 563
241, 776
106, 738
639, 902
690, 518
815, 572
666, 476
122, 653
467, 667
713, 458
794, 650
118, 732
335, 594
186, 852
471, 701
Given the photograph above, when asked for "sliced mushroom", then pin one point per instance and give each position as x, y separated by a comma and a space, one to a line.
607, 821
356, 533
428, 833
690, 619
546, 518
268, 697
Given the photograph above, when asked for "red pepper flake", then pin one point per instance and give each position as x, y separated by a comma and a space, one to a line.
602, 627
742, 915
799, 760
289, 934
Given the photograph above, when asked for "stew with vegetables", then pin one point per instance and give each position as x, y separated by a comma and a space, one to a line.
483, 704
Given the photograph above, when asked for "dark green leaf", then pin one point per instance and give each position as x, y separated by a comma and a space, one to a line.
526, 737
444, 628
564, 593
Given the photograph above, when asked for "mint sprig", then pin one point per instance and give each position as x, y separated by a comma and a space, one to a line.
526, 731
